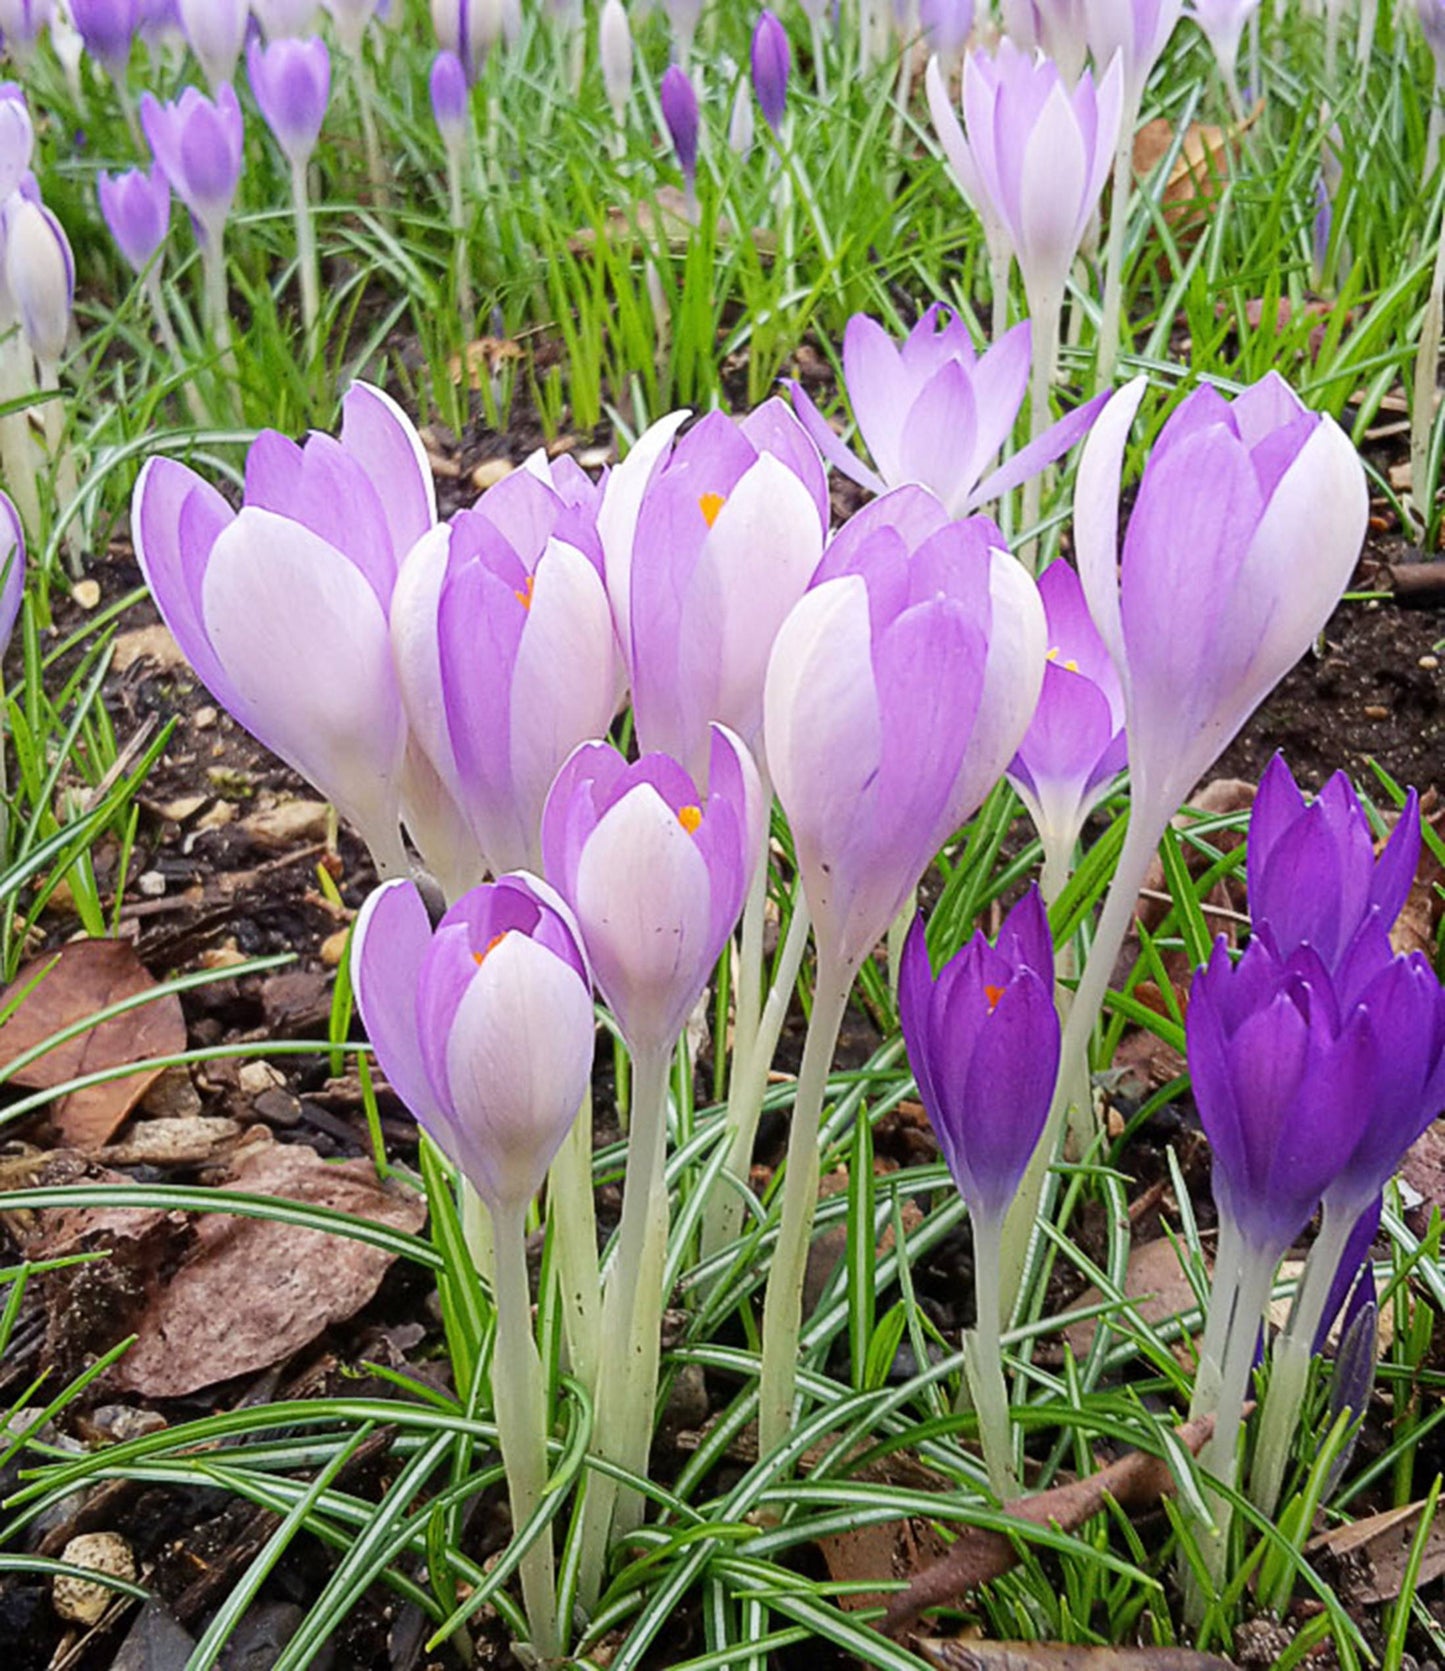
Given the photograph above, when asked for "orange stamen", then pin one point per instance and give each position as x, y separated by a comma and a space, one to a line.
993, 994
491, 945
710, 505
690, 817
524, 597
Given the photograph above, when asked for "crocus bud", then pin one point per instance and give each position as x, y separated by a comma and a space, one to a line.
21, 23
137, 209
946, 26
934, 412
614, 48
12, 568
449, 99
292, 83
656, 873
282, 609
1223, 24
1432, 25
107, 27
351, 18
679, 111
771, 60
741, 130
216, 32
284, 17
199, 145
1138, 30
1312, 876
40, 274
1247, 526
1055, 27
17, 145
683, 15
983, 1043
483, 1027
469, 28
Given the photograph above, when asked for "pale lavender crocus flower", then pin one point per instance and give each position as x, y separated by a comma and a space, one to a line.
282, 609
1075, 746
12, 568
137, 209
1222, 22
469, 28
678, 99
935, 412
683, 15
215, 30
291, 79
614, 49
284, 17
1055, 27
727, 532
1138, 31
107, 27
946, 26
17, 144
199, 145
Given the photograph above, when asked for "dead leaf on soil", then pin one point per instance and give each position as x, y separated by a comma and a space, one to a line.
1134, 1482
1154, 1280
1374, 1553
894, 1549
256, 1291
1423, 1167
965, 1654
1199, 172
79, 979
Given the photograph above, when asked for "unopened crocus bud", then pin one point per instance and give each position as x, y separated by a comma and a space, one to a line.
215, 31
199, 145
40, 274
137, 209
614, 47
740, 124
1223, 24
17, 145
351, 18
469, 28
771, 60
679, 111
107, 27
1055, 27
683, 15
449, 99
292, 83
946, 26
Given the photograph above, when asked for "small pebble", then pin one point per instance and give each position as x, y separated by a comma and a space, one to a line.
491, 471
1375, 711
86, 593
151, 884
256, 1078
77, 1599
333, 948
203, 718
1428, 663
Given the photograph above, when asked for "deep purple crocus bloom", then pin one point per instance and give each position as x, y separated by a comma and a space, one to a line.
1075, 746
137, 209
656, 874
726, 535
983, 1043
484, 1027
448, 89
199, 145
292, 83
679, 111
1312, 875
933, 411
771, 61
107, 27
1282, 1083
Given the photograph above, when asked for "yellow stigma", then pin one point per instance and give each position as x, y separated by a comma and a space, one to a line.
524, 597
1070, 665
491, 945
993, 994
710, 505
690, 817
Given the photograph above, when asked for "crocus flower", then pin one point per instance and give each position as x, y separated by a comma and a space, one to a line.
1247, 525
448, 88
771, 60
655, 872
351, 18
679, 111
1312, 875
1056, 27
614, 48
469, 28
934, 412
17, 145
137, 209
1075, 746
282, 609
216, 32
484, 1027
1223, 24
899, 687
40, 276
199, 145
21, 23
946, 26
107, 27
506, 656
727, 534
983, 1043
683, 15
1138, 30
1035, 157
12, 568
292, 82
284, 17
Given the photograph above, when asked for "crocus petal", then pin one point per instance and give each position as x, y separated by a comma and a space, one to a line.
383, 440
388, 946
1096, 516
830, 445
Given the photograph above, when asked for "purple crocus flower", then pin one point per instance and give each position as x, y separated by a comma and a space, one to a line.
449, 99
282, 609
724, 540
1223, 24
656, 873
679, 111
771, 61
898, 689
1312, 875
215, 30
284, 17
933, 411
484, 1027
946, 26
12, 568
137, 209
983, 1043
199, 145
292, 82
107, 27
1138, 30
1075, 746
469, 28
1035, 157
506, 656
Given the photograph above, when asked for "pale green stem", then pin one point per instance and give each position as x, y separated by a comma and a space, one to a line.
1223, 1293
1365, 38
1332, 44
897, 939
218, 302
1045, 309
521, 1412
166, 330
747, 988
306, 259
983, 1361
366, 109
1119, 205
1422, 402
820, 66
477, 1233
388, 852
1290, 1366
722, 1218
64, 485
1000, 259
456, 203
572, 1213
17, 449
783, 1307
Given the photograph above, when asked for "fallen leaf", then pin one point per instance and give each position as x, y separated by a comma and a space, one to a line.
1154, 1280
892, 1549
1423, 1167
79, 979
1372, 1554
256, 1291
965, 1654
1199, 171
978, 1556
188, 1140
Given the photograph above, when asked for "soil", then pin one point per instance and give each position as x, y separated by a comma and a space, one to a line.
221, 884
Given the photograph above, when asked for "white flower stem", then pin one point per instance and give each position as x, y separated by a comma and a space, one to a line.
1046, 308
307, 265
64, 486
572, 1213
783, 1307
1422, 400
521, 1411
17, 450
457, 209
1000, 260
983, 1361
1119, 204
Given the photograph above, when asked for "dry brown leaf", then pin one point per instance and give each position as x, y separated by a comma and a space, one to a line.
79, 979
1199, 172
256, 1291
894, 1549
1154, 1280
965, 1654
1423, 1167
1374, 1553
1136, 1481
